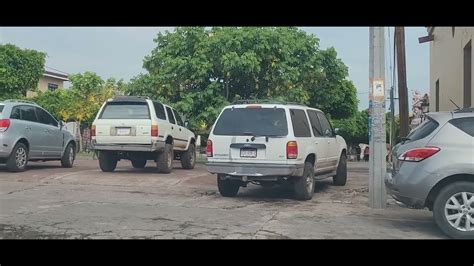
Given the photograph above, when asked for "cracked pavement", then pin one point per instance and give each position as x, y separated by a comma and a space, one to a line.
48, 201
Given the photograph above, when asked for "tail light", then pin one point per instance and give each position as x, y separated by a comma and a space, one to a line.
93, 131
209, 148
291, 150
4, 124
419, 154
154, 130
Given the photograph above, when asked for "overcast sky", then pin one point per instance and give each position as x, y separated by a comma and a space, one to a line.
119, 51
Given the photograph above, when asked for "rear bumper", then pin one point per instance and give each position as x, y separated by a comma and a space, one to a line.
156, 146
255, 170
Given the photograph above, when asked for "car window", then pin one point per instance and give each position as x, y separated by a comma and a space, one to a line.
252, 121
170, 115
178, 118
45, 118
16, 113
465, 124
315, 124
125, 110
159, 110
325, 125
28, 113
300, 123
1, 108
423, 130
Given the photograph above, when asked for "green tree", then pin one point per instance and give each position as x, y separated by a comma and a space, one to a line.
20, 70
201, 70
355, 128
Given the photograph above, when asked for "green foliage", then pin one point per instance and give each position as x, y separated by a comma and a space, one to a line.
201, 70
20, 70
82, 101
355, 128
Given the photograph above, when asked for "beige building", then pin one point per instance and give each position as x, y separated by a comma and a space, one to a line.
51, 80
451, 71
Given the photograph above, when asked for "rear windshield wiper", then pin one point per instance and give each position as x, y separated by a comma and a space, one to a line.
404, 139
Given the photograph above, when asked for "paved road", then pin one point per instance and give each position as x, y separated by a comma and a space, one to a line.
51, 202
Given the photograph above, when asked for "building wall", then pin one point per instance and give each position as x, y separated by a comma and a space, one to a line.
43, 85
447, 65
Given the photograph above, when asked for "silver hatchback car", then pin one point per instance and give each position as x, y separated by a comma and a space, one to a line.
30, 133
434, 168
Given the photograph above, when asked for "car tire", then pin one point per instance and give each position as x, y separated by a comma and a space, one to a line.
304, 185
188, 158
164, 162
340, 179
441, 212
68, 157
107, 161
227, 187
18, 158
138, 163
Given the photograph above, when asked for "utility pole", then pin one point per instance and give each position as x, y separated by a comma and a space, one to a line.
402, 80
377, 142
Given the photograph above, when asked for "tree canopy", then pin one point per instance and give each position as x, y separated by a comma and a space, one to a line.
20, 70
200, 70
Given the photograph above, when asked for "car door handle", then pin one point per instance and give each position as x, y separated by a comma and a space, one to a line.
172, 127
46, 130
29, 128
179, 129
316, 142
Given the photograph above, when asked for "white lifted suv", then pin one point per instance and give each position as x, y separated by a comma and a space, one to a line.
139, 129
274, 143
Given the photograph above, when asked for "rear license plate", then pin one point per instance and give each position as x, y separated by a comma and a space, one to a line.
248, 153
123, 131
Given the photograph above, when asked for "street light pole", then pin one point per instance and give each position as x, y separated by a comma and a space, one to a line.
377, 142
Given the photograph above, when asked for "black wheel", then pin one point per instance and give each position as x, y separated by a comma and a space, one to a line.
188, 158
304, 185
138, 163
68, 157
164, 161
18, 158
453, 210
340, 178
107, 161
227, 187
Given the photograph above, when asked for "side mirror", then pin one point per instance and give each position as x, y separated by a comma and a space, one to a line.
61, 124
328, 132
336, 131
186, 123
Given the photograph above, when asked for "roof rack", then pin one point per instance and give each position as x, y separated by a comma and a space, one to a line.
465, 110
18, 101
265, 101
125, 98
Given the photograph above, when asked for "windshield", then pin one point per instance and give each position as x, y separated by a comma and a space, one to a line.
422, 130
125, 110
252, 121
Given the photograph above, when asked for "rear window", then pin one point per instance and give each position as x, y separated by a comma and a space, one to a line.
422, 130
465, 124
252, 121
126, 110
300, 123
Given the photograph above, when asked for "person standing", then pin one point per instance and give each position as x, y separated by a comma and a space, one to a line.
366, 154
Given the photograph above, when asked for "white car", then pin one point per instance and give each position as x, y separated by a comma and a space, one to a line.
139, 129
274, 143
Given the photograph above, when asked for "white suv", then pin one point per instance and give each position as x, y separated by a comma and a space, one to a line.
139, 129
274, 143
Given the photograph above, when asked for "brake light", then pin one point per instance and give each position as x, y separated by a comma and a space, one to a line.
93, 131
253, 106
209, 148
4, 124
291, 150
419, 154
154, 130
